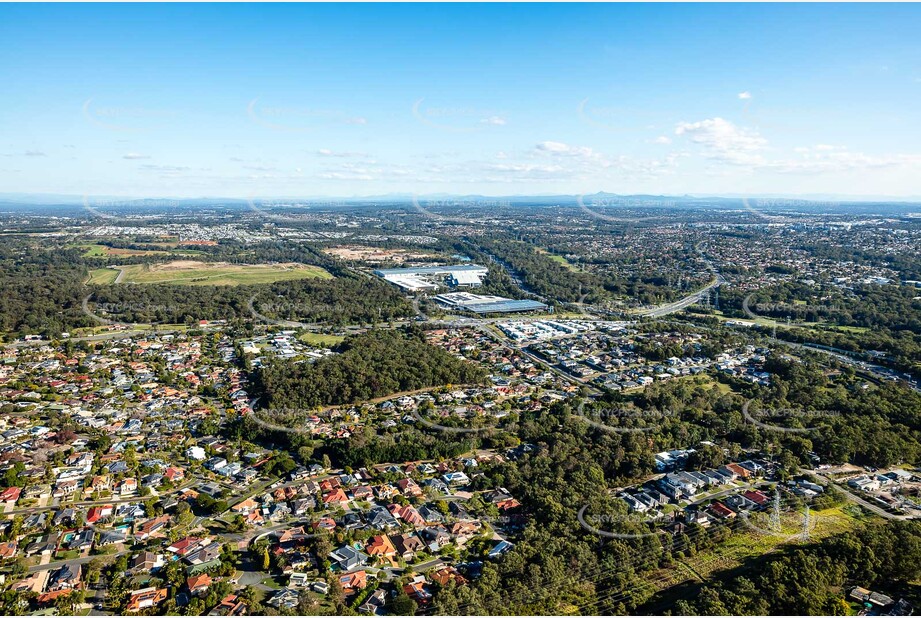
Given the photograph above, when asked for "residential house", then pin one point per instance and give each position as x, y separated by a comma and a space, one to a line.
231, 605
146, 562
152, 527
284, 598
145, 598
380, 545
198, 584
408, 545
352, 582
65, 578
375, 601
347, 558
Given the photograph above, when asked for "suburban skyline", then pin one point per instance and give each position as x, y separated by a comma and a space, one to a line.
260, 101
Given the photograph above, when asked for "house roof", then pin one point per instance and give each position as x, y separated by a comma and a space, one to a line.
380, 545
197, 581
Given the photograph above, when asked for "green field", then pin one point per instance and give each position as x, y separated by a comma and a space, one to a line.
189, 272
559, 259
102, 276
321, 340
95, 250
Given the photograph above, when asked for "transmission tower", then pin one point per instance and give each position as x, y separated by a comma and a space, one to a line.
806, 525
775, 514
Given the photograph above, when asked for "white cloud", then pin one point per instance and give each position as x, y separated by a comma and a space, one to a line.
662, 139
326, 152
165, 168
356, 120
345, 176
822, 159
35, 153
724, 141
496, 121
133, 156
559, 148
745, 95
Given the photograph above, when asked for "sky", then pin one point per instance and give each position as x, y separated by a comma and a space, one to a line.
357, 100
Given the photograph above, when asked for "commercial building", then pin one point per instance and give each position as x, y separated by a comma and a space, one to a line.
476, 303
426, 278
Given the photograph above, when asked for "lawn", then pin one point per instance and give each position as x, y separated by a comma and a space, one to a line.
191, 272
320, 340
67, 555
271, 582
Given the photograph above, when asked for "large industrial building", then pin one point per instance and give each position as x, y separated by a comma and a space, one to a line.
477, 303
428, 278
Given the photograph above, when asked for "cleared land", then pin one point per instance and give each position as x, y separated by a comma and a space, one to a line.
191, 272
359, 253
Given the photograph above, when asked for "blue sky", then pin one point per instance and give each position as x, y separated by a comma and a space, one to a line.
348, 100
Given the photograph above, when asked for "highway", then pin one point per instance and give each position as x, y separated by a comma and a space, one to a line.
684, 303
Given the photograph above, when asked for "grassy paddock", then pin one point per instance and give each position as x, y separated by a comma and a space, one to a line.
190, 272
320, 340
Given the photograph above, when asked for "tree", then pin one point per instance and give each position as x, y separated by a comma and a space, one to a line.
265, 559
403, 605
